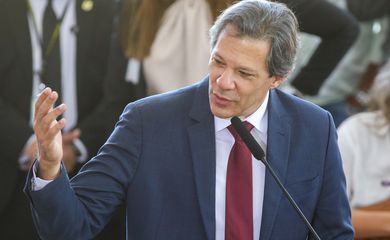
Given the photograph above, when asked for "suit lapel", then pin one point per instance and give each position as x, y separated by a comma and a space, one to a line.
277, 156
202, 140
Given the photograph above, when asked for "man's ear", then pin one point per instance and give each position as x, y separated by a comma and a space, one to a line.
277, 80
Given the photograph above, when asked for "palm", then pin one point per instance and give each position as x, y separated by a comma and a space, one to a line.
51, 150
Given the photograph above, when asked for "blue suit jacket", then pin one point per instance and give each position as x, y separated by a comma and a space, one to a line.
160, 161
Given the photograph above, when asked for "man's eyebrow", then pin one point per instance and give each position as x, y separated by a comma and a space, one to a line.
248, 70
240, 68
217, 55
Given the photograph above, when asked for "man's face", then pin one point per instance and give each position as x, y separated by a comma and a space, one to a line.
239, 79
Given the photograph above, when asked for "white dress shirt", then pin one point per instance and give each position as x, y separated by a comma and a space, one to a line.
224, 143
67, 40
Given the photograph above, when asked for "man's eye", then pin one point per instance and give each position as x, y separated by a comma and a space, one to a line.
218, 61
246, 74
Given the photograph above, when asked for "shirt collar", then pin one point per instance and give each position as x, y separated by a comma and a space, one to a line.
257, 119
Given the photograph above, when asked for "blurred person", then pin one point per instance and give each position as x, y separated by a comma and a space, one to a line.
337, 29
65, 45
364, 140
168, 158
366, 10
166, 41
345, 91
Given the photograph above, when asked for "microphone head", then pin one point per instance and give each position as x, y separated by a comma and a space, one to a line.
248, 139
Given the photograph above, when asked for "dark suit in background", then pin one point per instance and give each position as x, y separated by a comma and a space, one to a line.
101, 96
338, 30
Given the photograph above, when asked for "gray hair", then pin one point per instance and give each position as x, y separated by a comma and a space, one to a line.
267, 21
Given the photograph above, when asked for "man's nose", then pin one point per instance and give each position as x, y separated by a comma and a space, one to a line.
226, 80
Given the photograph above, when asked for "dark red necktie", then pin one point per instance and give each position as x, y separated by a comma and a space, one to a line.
239, 209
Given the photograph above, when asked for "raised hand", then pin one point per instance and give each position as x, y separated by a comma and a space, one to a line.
48, 133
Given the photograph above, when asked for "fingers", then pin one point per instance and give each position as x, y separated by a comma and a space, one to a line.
41, 97
56, 127
48, 121
45, 102
46, 135
45, 116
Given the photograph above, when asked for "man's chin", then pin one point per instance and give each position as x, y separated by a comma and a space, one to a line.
221, 113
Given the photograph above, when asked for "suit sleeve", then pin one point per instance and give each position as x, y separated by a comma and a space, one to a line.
332, 219
79, 209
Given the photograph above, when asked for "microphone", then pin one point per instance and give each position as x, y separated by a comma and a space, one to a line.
258, 153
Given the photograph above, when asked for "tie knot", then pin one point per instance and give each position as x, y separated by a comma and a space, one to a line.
233, 131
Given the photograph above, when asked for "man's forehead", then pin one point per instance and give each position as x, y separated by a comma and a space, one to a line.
230, 30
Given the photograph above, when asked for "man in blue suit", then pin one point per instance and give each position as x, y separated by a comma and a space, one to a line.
167, 157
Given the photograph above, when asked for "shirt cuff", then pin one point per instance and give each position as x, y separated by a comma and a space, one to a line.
36, 182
